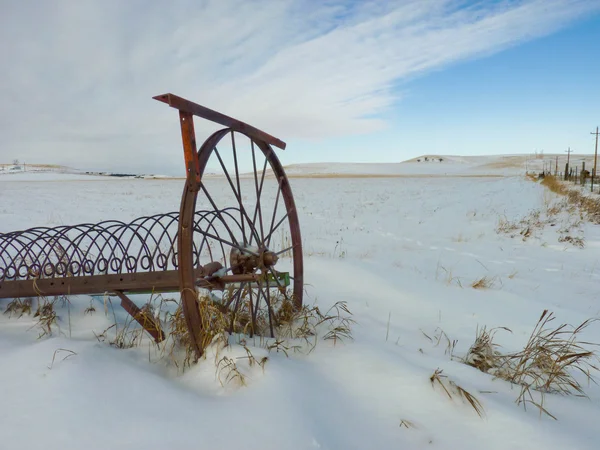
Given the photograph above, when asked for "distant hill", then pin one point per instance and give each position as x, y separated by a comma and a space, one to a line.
443, 165
424, 165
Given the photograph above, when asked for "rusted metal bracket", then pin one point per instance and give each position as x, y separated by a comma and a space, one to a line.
148, 323
189, 107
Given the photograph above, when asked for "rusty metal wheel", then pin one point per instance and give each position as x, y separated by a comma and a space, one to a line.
245, 223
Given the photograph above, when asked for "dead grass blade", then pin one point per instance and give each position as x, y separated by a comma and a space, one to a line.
71, 353
452, 389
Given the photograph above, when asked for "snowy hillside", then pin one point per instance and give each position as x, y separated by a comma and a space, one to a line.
425, 165
442, 165
422, 263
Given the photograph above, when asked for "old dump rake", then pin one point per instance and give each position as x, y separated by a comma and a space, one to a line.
164, 252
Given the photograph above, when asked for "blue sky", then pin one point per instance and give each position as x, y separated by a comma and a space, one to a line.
540, 95
368, 81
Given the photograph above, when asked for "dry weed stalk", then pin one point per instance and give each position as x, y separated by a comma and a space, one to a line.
438, 336
452, 389
449, 278
232, 372
71, 353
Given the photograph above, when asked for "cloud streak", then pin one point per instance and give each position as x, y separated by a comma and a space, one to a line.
78, 76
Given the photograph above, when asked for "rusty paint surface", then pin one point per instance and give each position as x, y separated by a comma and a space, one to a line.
201, 111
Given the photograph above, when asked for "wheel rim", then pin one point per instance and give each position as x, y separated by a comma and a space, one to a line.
248, 222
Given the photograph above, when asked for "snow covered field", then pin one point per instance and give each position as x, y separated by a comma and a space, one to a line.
402, 252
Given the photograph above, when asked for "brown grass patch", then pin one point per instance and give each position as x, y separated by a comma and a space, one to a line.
589, 205
483, 283
547, 364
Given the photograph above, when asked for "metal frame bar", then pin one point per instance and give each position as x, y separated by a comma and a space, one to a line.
134, 283
189, 107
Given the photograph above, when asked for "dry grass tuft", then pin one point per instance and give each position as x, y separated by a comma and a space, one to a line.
90, 309
452, 389
548, 364
232, 373
18, 307
483, 354
555, 185
531, 176
573, 240
306, 323
407, 424
449, 277
484, 283
505, 226
293, 331
549, 360
46, 316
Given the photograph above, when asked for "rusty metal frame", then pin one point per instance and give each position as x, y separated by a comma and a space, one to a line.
53, 273
185, 106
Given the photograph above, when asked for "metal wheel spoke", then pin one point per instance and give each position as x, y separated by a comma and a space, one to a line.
237, 196
237, 305
214, 205
256, 209
269, 309
258, 193
251, 309
270, 235
237, 178
238, 246
256, 307
285, 250
274, 211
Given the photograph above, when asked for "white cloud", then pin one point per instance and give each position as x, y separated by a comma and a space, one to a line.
78, 77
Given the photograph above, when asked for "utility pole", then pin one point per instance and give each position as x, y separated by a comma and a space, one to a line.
568, 159
595, 158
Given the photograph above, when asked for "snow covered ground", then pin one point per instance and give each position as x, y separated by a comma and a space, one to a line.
402, 252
